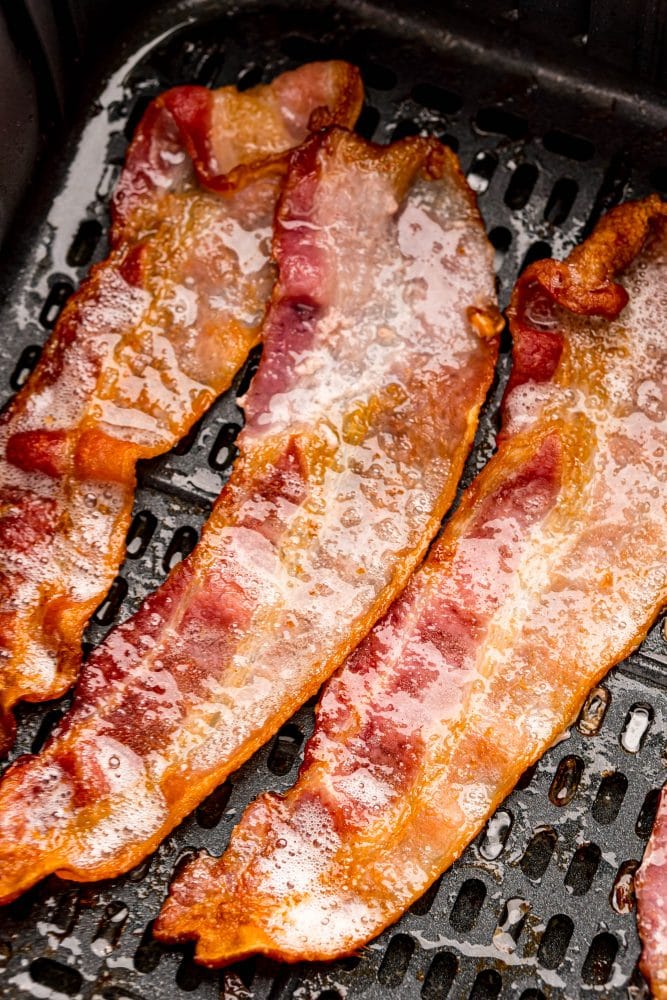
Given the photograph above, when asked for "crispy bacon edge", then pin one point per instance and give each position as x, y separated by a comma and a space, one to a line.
584, 284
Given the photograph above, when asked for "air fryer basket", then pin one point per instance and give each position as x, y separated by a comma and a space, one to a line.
540, 905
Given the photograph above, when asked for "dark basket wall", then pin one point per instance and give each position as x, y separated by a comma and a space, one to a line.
539, 907
48, 47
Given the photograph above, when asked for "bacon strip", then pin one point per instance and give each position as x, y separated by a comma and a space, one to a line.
551, 570
651, 889
151, 338
357, 426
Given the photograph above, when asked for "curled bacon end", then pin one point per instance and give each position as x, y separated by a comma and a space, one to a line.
231, 138
651, 890
153, 335
585, 283
551, 570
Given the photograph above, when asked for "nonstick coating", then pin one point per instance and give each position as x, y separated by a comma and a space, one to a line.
542, 907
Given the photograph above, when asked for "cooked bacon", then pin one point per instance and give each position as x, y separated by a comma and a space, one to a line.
152, 337
551, 570
651, 889
357, 425
223, 139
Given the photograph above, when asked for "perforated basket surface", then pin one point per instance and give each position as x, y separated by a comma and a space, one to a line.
540, 905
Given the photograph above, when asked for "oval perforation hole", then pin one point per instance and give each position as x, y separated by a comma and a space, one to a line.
27, 360
501, 239
136, 114
599, 961
55, 976
646, 817
437, 98
521, 185
184, 858
583, 866
347, 964
110, 606
84, 243
149, 952
248, 372
555, 941
497, 121
141, 870
566, 780
224, 451
622, 895
67, 912
109, 928
510, 924
487, 985
537, 855
636, 726
422, 906
450, 141
495, 835
107, 181
377, 76
55, 300
566, 144
280, 977
658, 179
527, 776
241, 973
189, 975
561, 200
368, 121
117, 149
396, 960
184, 445
46, 727
532, 995
609, 798
330, 994
481, 171
180, 547
440, 976
209, 813
285, 749
405, 128
467, 905
141, 531
536, 251
209, 68
304, 49
592, 714
24, 907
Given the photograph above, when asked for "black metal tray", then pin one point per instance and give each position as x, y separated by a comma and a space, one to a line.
541, 906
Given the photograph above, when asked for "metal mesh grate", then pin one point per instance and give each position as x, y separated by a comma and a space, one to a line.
541, 904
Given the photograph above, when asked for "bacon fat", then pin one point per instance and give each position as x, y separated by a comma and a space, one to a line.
358, 422
153, 335
551, 571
